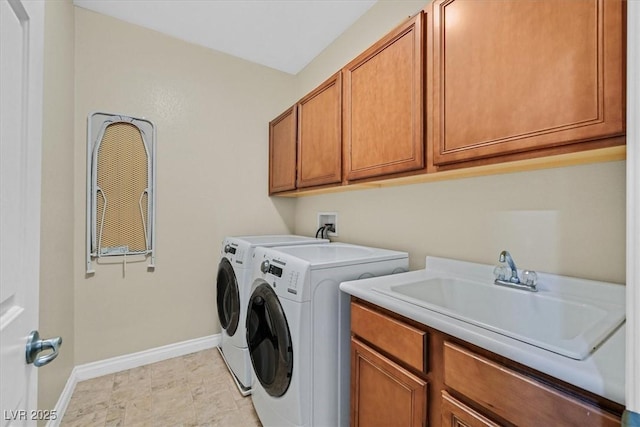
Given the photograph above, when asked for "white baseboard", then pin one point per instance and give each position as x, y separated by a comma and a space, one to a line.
133, 360
128, 361
63, 400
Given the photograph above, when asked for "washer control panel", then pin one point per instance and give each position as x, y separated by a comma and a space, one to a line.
268, 268
285, 274
292, 282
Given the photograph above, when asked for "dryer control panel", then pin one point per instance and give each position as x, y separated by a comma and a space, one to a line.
235, 252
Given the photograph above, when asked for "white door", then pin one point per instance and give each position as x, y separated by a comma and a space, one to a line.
21, 57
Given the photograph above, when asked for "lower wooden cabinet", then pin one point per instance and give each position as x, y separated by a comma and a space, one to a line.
457, 414
520, 399
396, 338
467, 385
384, 393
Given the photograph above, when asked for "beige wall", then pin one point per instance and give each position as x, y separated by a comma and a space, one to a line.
567, 221
211, 112
375, 23
57, 219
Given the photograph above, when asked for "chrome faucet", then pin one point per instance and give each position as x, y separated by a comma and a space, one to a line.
528, 284
505, 256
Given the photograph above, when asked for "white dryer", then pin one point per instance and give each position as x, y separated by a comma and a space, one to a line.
298, 329
233, 287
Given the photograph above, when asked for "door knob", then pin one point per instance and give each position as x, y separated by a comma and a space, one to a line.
35, 345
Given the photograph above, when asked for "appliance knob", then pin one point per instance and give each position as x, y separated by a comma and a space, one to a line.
227, 249
264, 267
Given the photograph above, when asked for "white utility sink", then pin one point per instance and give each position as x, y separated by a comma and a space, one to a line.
567, 316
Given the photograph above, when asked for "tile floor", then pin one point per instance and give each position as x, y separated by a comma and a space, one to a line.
192, 390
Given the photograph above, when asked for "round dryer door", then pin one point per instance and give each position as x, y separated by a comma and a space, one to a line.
228, 297
269, 341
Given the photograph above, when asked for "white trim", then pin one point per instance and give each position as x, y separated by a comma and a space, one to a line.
128, 361
133, 360
64, 399
633, 209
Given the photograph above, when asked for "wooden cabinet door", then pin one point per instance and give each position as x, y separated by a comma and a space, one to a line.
282, 152
457, 414
383, 393
383, 105
521, 400
320, 135
513, 76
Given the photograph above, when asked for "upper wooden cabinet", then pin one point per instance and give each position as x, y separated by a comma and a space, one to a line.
383, 105
514, 76
463, 84
282, 152
320, 135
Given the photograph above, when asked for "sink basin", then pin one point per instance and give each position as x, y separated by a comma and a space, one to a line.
570, 324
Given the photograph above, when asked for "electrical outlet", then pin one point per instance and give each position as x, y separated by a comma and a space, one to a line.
329, 218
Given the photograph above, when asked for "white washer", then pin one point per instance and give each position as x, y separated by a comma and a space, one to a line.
233, 287
298, 329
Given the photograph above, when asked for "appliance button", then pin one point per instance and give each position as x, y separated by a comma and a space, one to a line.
264, 267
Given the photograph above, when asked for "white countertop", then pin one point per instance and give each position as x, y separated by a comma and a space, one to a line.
602, 372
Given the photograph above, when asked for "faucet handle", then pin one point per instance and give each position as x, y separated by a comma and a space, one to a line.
529, 277
501, 272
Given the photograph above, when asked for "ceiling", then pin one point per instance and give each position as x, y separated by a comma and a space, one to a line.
281, 34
